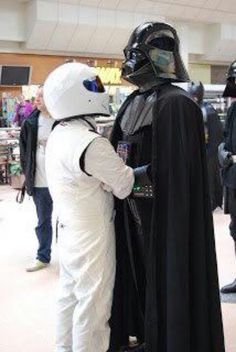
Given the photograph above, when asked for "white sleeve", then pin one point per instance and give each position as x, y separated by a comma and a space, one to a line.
102, 162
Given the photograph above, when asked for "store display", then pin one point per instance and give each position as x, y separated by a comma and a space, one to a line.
117, 95
104, 125
29, 91
7, 109
9, 155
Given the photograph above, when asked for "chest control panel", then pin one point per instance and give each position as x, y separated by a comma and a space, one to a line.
144, 191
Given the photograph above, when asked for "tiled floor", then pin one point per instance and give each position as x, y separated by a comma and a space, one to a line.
27, 300
227, 273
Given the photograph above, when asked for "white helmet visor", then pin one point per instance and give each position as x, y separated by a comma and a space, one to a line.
94, 85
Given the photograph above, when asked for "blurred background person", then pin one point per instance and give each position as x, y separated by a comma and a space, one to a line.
23, 109
213, 137
33, 138
227, 158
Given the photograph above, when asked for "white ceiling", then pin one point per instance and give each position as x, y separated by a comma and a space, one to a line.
102, 27
199, 10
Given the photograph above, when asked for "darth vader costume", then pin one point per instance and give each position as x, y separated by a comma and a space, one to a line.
166, 289
213, 137
227, 152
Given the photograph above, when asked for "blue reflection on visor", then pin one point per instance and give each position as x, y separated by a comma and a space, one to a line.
94, 85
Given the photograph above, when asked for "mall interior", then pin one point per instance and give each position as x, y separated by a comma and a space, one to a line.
36, 36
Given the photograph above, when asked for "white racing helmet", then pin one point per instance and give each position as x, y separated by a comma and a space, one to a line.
73, 89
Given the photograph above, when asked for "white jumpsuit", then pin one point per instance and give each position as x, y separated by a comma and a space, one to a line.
86, 232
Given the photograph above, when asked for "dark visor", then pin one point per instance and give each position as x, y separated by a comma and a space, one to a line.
94, 85
164, 43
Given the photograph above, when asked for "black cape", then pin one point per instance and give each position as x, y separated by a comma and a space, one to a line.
182, 312
229, 172
214, 132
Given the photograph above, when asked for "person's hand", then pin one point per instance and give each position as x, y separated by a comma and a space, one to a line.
228, 160
225, 157
143, 174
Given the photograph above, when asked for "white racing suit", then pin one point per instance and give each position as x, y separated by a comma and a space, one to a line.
86, 232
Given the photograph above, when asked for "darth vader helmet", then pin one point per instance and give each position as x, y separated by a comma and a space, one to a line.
196, 91
152, 54
230, 89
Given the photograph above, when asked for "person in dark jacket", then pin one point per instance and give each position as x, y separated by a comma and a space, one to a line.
213, 137
166, 290
33, 138
227, 158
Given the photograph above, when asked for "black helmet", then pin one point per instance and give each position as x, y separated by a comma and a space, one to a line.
196, 91
230, 89
152, 54
231, 73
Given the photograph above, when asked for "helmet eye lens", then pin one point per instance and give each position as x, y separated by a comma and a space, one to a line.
164, 43
137, 56
134, 54
94, 85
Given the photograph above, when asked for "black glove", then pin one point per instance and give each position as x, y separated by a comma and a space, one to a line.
228, 160
143, 175
224, 156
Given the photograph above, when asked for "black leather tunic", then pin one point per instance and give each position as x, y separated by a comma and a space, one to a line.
136, 126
